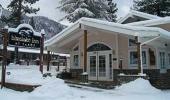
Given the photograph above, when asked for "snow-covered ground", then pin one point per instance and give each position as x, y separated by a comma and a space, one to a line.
55, 89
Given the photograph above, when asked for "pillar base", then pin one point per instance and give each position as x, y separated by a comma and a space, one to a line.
84, 77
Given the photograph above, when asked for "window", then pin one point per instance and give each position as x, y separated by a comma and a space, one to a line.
98, 47
134, 57
162, 59
76, 48
132, 42
76, 60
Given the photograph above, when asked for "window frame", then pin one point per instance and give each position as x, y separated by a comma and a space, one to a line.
132, 38
135, 65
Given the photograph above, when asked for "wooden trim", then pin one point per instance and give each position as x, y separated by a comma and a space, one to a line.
4, 63
48, 60
85, 50
41, 53
138, 53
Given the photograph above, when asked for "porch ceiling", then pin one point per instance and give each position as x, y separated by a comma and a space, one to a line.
160, 42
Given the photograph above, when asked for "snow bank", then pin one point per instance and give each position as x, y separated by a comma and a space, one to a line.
25, 75
139, 85
30, 77
54, 88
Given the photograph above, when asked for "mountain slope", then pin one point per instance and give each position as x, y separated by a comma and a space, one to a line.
51, 27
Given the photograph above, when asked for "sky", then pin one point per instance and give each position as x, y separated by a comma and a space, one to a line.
49, 9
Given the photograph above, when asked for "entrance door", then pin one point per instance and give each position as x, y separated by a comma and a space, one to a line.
162, 62
99, 65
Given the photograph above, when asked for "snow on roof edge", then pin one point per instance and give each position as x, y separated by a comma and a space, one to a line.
123, 26
48, 42
137, 28
26, 50
137, 13
164, 20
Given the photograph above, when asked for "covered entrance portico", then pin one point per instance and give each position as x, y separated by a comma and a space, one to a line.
96, 47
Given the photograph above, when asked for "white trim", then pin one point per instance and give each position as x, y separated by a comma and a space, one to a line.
137, 13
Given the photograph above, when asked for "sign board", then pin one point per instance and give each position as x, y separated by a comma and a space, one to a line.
24, 36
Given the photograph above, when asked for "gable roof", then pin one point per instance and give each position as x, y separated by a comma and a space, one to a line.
137, 13
153, 22
108, 26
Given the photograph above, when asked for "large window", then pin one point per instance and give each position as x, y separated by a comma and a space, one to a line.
134, 57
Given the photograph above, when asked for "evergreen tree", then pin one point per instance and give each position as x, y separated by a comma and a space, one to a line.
32, 22
88, 8
19, 8
155, 7
111, 16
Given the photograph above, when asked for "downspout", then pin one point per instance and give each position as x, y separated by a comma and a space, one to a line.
146, 42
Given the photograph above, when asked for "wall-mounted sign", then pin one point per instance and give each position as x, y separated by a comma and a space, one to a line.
24, 36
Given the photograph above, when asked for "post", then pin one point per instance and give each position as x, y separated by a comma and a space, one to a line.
138, 53
85, 50
41, 51
48, 60
16, 54
4, 63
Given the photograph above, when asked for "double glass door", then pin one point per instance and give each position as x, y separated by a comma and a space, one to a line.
99, 66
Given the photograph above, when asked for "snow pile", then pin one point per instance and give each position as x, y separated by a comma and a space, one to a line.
139, 85
53, 88
31, 77
25, 75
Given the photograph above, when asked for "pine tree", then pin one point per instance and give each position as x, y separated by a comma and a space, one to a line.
111, 16
155, 7
19, 8
32, 22
88, 8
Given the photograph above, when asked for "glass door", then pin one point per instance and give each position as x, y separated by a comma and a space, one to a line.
99, 66
92, 65
162, 61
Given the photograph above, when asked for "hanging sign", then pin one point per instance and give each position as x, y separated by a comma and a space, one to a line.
24, 36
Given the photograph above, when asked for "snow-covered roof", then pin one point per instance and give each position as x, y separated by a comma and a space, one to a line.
24, 25
109, 26
152, 22
28, 50
137, 13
